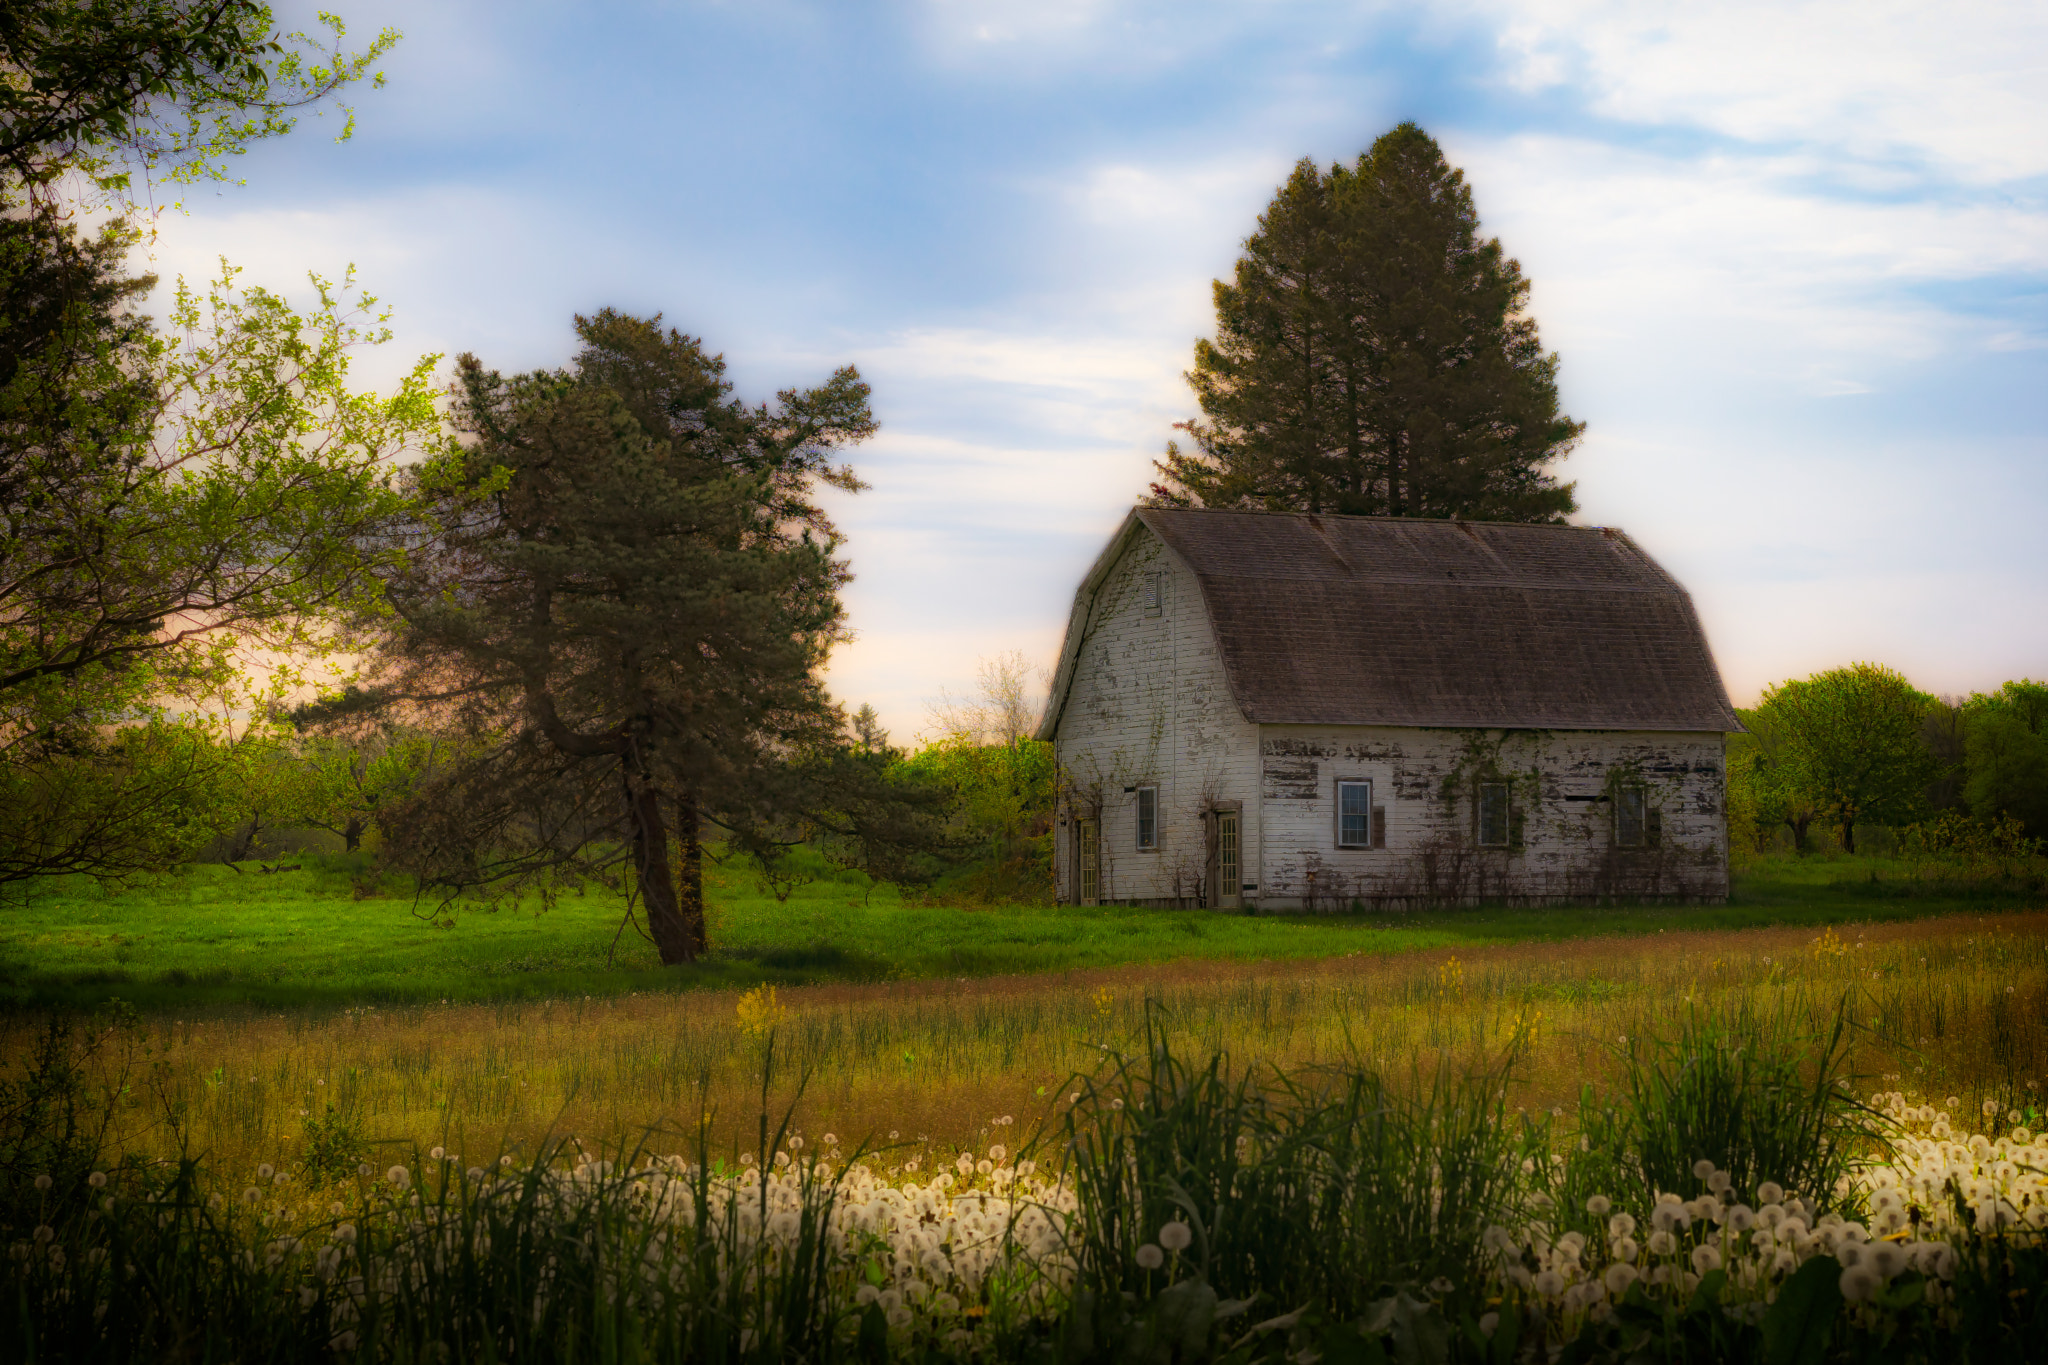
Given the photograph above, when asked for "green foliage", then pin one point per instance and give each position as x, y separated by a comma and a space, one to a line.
626, 591
107, 88
1761, 1096
1319, 1186
136, 800
1851, 745
2007, 749
1373, 356
335, 1145
166, 495
229, 441
1002, 800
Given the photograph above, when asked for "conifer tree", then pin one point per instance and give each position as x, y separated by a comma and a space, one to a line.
622, 591
1373, 356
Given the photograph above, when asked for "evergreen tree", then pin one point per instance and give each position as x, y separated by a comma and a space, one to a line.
1373, 356
623, 591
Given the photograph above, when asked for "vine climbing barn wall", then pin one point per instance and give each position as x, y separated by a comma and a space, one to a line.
1561, 816
1150, 706
1148, 703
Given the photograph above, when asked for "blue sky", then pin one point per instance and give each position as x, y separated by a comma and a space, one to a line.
1794, 258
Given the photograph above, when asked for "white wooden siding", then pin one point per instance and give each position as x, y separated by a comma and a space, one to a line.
1428, 783
1150, 705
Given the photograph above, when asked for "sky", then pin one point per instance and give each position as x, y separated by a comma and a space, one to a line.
1794, 258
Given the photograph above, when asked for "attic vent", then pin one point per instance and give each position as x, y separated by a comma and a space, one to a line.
1154, 593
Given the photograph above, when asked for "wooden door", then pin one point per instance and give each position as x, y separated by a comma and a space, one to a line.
1088, 862
1224, 881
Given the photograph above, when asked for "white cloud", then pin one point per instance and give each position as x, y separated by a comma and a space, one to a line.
1957, 85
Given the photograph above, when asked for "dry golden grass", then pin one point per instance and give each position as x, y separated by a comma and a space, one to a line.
1948, 1006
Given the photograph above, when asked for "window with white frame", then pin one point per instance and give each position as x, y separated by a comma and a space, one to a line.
1493, 815
1354, 815
1148, 817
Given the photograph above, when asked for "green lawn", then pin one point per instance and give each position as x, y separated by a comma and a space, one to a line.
211, 936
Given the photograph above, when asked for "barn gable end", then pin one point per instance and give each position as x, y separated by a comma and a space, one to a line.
1532, 713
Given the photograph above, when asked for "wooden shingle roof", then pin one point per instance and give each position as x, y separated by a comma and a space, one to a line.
1326, 620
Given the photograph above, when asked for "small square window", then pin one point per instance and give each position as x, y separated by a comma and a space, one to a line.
1354, 815
1155, 593
1631, 824
1493, 815
1148, 817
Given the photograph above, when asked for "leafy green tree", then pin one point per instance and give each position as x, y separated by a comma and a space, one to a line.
168, 88
167, 499
1767, 768
623, 588
136, 799
359, 777
1373, 355
2007, 745
1853, 737
162, 492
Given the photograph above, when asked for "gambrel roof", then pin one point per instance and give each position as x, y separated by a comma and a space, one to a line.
1326, 620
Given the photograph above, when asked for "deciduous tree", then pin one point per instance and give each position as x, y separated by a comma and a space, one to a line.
162, 491
2007, 745
1854, 735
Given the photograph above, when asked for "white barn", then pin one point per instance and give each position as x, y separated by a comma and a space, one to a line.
1316, 712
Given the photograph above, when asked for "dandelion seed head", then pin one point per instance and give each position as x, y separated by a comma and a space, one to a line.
1150, 1257
97, 1179
1176, 1236
1598, 1205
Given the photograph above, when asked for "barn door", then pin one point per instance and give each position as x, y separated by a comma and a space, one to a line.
1088, 862
1223, 878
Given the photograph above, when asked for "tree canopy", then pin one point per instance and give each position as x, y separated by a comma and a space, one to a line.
168, 88
623, 588
166, 493
1849, 742
1373, 356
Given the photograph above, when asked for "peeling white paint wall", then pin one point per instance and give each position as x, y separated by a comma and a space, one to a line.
1150, 705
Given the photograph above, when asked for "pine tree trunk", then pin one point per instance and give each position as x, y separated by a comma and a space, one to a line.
690, 895
665, 922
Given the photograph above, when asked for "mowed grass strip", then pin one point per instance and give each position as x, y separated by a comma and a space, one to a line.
1949, 1006
211, 936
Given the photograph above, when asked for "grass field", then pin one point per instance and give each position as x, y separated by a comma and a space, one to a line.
211, 937
1950, 1005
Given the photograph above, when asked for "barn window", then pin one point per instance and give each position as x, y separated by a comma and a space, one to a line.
1155, 593
1631, 823
1148, 817
1493, 815
1354, 815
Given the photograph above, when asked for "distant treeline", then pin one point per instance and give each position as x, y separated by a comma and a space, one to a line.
1860, 746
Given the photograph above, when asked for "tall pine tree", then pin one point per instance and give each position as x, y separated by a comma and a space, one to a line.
621, 592
1373, 356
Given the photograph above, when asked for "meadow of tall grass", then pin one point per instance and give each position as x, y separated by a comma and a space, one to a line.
1187, 1207
1954, 1005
